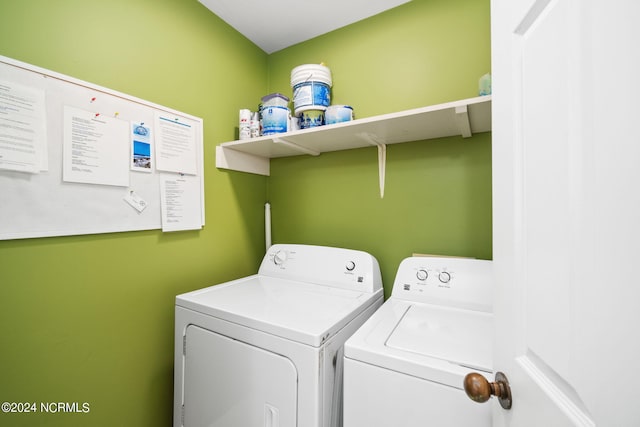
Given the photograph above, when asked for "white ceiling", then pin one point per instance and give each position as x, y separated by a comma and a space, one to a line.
275, 24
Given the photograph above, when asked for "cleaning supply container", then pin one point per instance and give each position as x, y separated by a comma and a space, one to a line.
244, 127
311, 116
338, 114
311, 85
275, 120
275, 100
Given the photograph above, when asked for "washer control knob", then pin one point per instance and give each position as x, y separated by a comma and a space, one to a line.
422, 275
279, 257
350, 265
444, 277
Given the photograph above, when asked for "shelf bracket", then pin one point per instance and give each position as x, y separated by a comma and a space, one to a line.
382, 166
462, 121
296, 147
382, 157
227, 158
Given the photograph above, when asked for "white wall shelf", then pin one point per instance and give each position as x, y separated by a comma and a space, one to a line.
464, 118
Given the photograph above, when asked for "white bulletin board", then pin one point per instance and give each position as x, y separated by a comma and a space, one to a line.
62, 191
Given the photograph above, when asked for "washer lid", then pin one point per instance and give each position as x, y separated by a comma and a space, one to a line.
299, 311
424, 341
459, 336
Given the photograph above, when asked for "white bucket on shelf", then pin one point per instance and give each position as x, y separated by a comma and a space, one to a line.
311, 85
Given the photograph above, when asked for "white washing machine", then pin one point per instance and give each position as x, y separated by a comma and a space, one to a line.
266, 350
405, 366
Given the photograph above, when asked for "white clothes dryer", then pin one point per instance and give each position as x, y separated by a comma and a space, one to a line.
405, 366
266, 350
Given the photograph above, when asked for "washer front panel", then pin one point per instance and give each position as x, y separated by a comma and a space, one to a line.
378, 397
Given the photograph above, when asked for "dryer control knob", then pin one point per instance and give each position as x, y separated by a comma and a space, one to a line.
279, 257
350, 265
422, 274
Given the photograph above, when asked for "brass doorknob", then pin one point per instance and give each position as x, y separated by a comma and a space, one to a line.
479, 389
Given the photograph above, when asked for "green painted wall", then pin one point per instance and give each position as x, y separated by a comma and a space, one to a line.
438, 193
77, 325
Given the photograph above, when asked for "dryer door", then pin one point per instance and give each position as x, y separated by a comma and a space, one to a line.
228, 383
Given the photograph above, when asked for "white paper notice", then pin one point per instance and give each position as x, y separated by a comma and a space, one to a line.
175, 145
23, 141
95, 148
180, 202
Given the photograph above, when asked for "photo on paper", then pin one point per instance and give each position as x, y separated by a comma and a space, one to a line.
141, 147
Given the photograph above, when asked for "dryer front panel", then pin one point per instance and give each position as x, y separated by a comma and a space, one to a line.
230, 383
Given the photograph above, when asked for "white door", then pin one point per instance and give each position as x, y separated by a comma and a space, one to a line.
228, 383
566, 171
